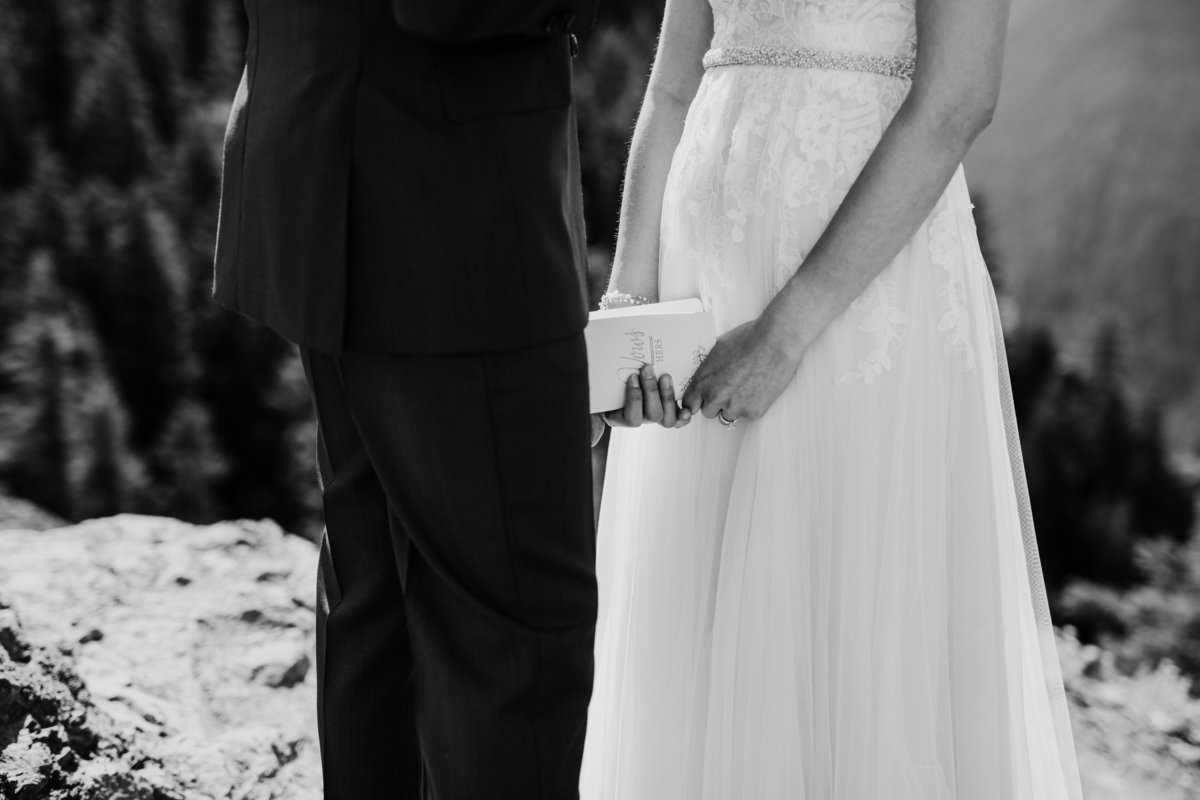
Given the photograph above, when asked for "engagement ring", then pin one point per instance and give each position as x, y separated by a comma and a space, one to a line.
728, 423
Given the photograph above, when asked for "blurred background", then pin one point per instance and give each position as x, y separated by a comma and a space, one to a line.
123, 388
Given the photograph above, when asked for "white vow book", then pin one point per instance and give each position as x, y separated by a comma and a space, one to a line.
673, 337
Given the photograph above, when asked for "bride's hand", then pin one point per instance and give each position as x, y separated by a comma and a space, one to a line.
744, 374
648, 399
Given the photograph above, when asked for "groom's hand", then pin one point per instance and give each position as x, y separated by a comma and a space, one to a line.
648, 399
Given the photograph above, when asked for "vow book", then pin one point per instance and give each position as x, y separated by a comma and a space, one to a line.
673, 337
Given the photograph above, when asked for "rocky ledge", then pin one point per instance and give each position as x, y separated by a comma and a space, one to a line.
148, 659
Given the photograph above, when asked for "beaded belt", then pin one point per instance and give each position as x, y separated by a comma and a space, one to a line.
805, 58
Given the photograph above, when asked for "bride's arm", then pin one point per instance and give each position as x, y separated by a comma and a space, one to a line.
954, 91
686, 32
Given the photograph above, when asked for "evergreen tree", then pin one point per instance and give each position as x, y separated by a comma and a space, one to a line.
185, 466
135, 297
33, 45
150, 32
189, 193
15, 145
1164, 504
112, 476
212, 44
199, 28
87, 21
53, 381
1033, 365
111, 133
1099, 483
225, 51
1114, 434
42, 468
102, 489
140, 91
251, 417
34, 218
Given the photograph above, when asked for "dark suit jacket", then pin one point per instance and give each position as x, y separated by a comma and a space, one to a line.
403, 175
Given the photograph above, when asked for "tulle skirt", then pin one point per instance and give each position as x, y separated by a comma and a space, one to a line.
841, 600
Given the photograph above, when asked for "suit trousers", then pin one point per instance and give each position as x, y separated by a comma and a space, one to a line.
456, 589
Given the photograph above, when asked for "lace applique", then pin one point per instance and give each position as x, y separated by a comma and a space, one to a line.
795, 140
886, 321
880, 26
945, 250
779, 147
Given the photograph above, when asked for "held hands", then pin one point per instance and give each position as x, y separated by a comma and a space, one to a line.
744, 374
742, 377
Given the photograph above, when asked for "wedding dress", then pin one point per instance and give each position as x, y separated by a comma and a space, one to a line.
841, 600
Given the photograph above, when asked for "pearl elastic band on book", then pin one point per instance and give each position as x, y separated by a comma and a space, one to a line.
622, 297
805, 58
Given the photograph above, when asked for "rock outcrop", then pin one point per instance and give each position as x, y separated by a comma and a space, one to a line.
146, 658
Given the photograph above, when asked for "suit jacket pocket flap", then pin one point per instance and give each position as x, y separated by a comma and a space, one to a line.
504, 77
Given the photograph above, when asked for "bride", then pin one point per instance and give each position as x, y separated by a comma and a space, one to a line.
827, 587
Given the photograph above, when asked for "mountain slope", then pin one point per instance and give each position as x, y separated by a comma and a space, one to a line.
1090, 179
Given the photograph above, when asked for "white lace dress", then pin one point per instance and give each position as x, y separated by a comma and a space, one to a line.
842, 600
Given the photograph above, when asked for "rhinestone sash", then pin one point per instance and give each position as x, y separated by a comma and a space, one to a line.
805, 58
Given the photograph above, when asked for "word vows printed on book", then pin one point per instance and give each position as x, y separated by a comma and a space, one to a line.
672, 337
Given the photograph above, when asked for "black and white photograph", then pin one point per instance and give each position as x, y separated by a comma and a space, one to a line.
599, 400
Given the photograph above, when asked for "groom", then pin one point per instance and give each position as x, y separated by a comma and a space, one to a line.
401, 199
